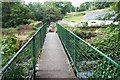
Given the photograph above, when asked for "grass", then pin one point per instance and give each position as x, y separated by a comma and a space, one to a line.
77, 16
74, 16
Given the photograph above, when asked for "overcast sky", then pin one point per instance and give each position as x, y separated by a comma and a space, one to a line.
74, 2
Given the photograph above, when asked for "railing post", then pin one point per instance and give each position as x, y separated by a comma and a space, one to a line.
34, 52
65, 37
74, 51
40, 39
60, 31
75, 55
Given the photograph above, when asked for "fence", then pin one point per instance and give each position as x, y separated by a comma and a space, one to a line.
22, 64
87, 61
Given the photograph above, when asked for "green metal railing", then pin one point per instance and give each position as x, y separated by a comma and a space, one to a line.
22, 64
87, 61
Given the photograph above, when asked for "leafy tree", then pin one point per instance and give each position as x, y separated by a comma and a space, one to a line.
14, 14
46, 13
94, 5
63, 6
116, 7
52, 14
84, 6
38, 9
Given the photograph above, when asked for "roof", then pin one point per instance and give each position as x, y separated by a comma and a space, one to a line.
93, 15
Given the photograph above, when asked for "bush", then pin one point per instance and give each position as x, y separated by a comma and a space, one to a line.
111, 47
36, 25
84, 34
84, 24
9, 48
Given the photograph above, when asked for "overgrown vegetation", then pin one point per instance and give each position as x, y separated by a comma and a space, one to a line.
110, 44
110, 47
9, 47
107, 40
14, 38
85, 33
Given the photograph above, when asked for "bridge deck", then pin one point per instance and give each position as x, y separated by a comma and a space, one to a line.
53, 62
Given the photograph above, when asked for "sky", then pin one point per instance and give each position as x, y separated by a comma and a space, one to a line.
75, 3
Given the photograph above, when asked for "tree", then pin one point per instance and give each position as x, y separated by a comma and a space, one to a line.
116, 7
63, 6
14, 14
38, 10
84, 6
94, 5
46, 13
52, 14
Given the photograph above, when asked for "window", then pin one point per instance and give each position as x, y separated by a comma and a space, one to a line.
93, 22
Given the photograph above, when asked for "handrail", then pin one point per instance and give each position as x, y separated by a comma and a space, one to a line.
13, 58
83, 53
42, 31
115, 63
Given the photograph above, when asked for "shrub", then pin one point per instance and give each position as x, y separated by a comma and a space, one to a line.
84, 34
84, 24
111, 47
9, 48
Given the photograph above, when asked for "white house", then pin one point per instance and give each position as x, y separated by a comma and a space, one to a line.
90, 19
101, 22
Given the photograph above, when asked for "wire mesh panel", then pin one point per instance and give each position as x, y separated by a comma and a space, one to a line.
22, 65
88, 61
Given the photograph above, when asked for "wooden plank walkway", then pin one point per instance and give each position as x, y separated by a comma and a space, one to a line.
53, 62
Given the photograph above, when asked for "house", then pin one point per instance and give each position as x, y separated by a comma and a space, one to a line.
101, 22
90, 18
93, 15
